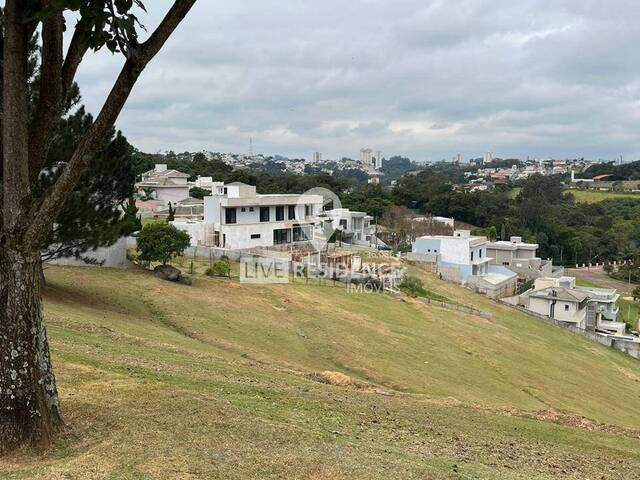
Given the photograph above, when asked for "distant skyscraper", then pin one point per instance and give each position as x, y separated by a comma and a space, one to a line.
488, 157
365, 156
317, 157
377, 160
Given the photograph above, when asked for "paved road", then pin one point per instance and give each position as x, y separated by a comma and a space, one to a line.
600, 278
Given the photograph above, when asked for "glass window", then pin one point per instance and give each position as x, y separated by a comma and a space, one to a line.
292, 212
264, 214
279, 214
255, 235
230, 215
281, 235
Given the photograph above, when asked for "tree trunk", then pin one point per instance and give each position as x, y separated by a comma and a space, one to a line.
29, 413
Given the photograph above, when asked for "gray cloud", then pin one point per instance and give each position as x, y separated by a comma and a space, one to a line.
427, 79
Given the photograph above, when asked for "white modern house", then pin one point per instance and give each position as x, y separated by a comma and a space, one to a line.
587, 308
206, 183
236, 217
520, 257
463, 258
355, 227
167, 185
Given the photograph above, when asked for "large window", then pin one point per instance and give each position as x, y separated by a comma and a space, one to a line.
279, 214
281, 235
292, 212
264, 214
308, 210
302, 234
229, 215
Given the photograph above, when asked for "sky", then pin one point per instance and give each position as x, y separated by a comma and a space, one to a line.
426, 79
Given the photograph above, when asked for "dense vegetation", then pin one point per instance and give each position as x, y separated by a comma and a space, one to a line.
568, 231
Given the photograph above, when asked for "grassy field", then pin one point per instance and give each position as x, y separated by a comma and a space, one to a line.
227, 380
595, 196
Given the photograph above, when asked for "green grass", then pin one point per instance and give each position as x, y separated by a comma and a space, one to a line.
595, 196
216, 380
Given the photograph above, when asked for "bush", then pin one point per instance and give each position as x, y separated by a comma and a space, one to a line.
221, 268
413, 287
160, 242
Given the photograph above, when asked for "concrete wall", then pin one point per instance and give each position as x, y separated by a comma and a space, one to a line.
114, 256
195, 230
426, 246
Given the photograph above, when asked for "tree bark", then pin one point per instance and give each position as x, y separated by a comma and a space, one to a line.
29, 412
29, 408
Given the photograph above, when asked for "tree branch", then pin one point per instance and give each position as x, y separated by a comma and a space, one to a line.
77, 48
51, 94
55, 197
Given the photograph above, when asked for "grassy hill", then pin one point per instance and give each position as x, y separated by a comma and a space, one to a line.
225, 380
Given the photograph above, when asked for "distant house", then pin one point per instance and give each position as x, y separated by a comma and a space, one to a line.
189, 209
463, 258
166, 185
593, 309
355, 227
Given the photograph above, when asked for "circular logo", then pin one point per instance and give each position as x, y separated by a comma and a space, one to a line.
321, 209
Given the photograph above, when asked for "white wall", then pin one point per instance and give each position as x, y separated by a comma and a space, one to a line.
173, 194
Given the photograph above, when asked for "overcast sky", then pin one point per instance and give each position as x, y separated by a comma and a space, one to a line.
423, 78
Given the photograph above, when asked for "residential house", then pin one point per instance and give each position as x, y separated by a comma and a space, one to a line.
520, 257
463, 258
355, 227
236, 217
190, 209
593, 309
167, 185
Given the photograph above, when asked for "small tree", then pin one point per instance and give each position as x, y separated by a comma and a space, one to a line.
160, 242
221, 268
636, 293
608, 268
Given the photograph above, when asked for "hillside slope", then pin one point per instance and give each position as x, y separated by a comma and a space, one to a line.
221, 380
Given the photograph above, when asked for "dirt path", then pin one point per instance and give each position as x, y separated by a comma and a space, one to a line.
598, 277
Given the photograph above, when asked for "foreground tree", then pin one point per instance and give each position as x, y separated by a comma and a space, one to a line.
160, 242
29, 407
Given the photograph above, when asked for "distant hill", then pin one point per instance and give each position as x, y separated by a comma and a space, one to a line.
626, 171
228, 380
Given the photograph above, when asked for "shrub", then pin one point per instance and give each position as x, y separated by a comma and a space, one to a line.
413, 287
160, 242
221, 268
